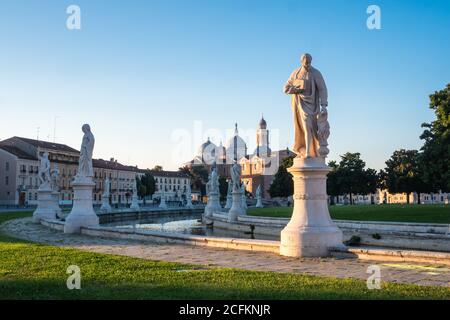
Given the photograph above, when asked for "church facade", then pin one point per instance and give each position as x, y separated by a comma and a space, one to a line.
258, 168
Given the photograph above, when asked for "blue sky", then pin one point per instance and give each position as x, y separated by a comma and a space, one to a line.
138, 71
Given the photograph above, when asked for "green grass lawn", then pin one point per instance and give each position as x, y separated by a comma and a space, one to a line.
34, 271
389, 212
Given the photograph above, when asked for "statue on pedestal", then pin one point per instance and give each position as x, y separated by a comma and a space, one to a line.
259, 197
310, 232
85, 168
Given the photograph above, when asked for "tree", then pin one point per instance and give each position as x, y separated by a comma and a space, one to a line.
435, 157
198, 175
223, 187
403, 173
282, 185
146, 185
157, 168
351, 177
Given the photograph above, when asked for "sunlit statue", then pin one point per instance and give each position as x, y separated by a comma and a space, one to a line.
236, 177
44, 171
309, 105
85, 168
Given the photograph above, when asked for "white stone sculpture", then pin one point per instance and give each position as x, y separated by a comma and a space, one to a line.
259, 197
244, 197
106, 207
134, 198
189, 197
46, 208
213, 205
237, 208
83, 214
310, 232
229, 195
55, 190
162, 204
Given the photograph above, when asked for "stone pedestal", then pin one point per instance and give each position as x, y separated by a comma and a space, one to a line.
106, 207
259, 203
189, 202
55, 197
236, 208
134, 203
46, 208
163, 204
310, 231
229, 201
213, 205
82, 214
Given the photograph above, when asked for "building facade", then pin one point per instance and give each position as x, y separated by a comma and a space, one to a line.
19, 181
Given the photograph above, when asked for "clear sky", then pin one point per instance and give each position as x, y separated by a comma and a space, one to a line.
142, 72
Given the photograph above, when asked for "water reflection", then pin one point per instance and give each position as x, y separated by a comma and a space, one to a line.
185, 224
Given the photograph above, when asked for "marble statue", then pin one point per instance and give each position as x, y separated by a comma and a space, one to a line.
259, 197
309, 105
106, 188
44, 171
236, 176
55, 179
214, 181
310, 232
188, 194
229, 195
83, 214
106, 207
134, 198
85, 168
244, 197
213, 205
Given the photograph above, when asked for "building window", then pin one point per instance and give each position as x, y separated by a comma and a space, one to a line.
6, 180
7, 166
35, 196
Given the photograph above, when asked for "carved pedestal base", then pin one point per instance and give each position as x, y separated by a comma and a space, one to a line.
106, 207
82, 214
311, 231
46, 208
135, 203
229, 202
259, 203
236, 208
213, 205
163, 204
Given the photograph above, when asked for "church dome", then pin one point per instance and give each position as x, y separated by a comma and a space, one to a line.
236, 147
207, 151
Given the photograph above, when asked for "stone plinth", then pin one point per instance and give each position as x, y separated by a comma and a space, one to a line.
134, 203
237, 208
259, 203
46, 208
310, 231
163, 204
55, 197
106, 207
82, 214
213, 205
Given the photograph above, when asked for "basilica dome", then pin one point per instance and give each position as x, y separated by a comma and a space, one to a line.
207, 151
236, 147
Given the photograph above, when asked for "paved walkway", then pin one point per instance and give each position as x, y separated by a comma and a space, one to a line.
412, 273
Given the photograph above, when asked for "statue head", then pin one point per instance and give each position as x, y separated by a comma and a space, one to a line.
86, 128
306, 60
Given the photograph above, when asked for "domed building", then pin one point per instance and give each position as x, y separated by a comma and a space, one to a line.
236, 147
258, 169
207, 152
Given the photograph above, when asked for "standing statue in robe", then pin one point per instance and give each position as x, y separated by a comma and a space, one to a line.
55, 179
309, 105
44, 171
85, 168
236, 177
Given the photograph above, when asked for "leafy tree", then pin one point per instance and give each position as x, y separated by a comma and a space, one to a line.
403, 173
282, 185
157, 168
351, 177
198, 175
223, 187
146, 185
435, 157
